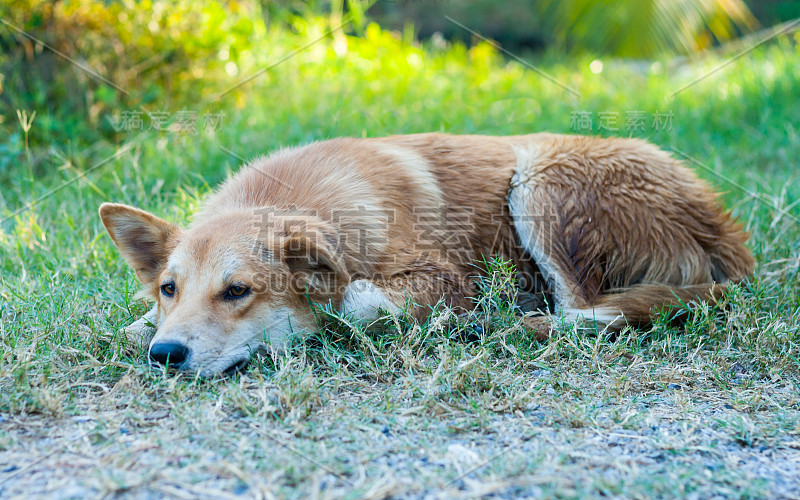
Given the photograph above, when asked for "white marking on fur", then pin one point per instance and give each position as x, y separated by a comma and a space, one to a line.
605, 315
419, 170
362, 299
518, 197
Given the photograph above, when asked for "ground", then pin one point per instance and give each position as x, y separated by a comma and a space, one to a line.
662, 433
435, 410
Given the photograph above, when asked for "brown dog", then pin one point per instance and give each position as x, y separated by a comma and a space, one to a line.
606, 229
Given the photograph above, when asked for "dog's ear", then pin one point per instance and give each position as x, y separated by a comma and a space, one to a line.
144, 240
314, 265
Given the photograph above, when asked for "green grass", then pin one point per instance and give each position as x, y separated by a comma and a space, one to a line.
409, 408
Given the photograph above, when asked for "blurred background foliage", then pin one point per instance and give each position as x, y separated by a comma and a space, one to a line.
86, 66
146, 52
627, 28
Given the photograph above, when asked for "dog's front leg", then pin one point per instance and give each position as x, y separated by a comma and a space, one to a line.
141, 331
424, 286
363, 300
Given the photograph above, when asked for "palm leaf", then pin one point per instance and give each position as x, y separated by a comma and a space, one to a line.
645, 28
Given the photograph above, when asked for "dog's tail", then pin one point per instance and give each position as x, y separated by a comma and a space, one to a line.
638, 304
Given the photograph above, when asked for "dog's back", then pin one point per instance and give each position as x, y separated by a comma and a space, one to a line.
595, 215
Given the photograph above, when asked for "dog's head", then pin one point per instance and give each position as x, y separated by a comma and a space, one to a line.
229, 285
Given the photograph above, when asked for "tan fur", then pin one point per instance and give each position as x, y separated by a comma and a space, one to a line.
616, 227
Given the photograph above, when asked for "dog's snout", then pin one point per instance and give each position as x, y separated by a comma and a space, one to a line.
169, 353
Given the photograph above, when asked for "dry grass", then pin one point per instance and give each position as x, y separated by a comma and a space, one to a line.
423, 410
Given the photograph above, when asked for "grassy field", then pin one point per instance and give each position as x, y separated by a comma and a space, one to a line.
708, 410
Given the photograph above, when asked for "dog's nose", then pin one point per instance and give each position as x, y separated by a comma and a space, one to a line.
169, 353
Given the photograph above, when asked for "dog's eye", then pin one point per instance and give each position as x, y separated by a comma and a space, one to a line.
236, 292
168, 289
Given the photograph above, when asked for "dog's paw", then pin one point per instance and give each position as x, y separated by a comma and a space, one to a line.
363, 300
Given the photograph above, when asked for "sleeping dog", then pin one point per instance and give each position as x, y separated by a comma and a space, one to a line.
609, 230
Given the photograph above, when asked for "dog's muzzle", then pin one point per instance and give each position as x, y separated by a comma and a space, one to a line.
237, 366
